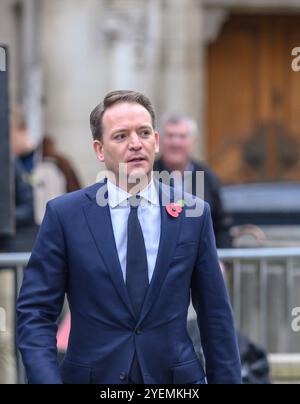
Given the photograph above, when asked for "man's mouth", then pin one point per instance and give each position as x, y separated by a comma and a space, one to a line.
136, 160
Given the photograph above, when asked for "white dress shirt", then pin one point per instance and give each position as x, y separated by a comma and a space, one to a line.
149, 217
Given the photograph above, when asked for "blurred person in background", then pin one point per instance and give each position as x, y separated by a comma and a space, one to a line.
22, 241
54, 175
23, 149
23, 145
63, 163
23, 197
178, 141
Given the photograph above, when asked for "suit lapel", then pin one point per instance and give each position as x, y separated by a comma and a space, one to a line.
100, 225
168, 240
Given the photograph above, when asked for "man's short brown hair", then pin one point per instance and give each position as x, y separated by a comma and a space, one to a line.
117, 97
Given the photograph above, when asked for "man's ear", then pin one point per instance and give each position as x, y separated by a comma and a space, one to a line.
156, 134
193, 143
98, 147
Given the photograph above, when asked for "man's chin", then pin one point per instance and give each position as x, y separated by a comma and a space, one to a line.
138, 173
176, 161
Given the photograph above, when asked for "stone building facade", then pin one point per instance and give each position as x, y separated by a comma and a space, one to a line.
65, 55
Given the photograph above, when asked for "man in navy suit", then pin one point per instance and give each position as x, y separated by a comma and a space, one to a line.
129, 265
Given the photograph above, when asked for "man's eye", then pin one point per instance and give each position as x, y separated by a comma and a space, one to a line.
121, 136
146, 133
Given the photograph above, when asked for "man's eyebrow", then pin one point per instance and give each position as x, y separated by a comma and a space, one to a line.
146, 126
119, 130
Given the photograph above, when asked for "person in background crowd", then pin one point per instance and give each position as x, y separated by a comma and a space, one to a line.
23, 145
23, 197
54, 175
65, 166
22, 241
178, 140
26, 228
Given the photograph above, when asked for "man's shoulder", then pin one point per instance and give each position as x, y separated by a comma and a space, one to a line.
190, 201
196, 206
208, 172
75, 199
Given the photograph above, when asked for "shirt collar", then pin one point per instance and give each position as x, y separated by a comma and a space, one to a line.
118, 196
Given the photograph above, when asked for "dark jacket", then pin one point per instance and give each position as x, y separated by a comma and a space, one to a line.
26, 229
23, 196
212, 196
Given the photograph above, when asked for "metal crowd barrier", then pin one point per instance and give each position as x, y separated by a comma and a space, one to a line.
265, 288
16, 262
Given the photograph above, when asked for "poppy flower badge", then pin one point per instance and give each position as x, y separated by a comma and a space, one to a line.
175, 209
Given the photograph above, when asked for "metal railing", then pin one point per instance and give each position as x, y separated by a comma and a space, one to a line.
16, 262
265, 288
250, 275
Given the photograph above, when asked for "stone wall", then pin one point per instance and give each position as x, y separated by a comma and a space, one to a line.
77, 50
8, 36
92, 47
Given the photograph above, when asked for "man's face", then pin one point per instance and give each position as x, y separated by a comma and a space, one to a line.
177, 144
128, 137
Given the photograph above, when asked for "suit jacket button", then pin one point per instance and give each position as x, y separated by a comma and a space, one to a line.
138, 331
123, 376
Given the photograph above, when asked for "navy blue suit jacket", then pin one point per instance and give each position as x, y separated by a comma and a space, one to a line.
75, 254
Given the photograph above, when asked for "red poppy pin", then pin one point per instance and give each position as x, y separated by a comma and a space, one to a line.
174, 209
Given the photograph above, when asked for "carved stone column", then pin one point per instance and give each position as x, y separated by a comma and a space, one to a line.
182, 85
31, 70
132, 40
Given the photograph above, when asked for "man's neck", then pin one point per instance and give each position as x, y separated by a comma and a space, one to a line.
136, 187
176, 167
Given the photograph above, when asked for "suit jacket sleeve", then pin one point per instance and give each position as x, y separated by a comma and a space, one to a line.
40, 302
214, 313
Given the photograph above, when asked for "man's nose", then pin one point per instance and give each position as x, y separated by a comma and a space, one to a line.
135, 142
175, 141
